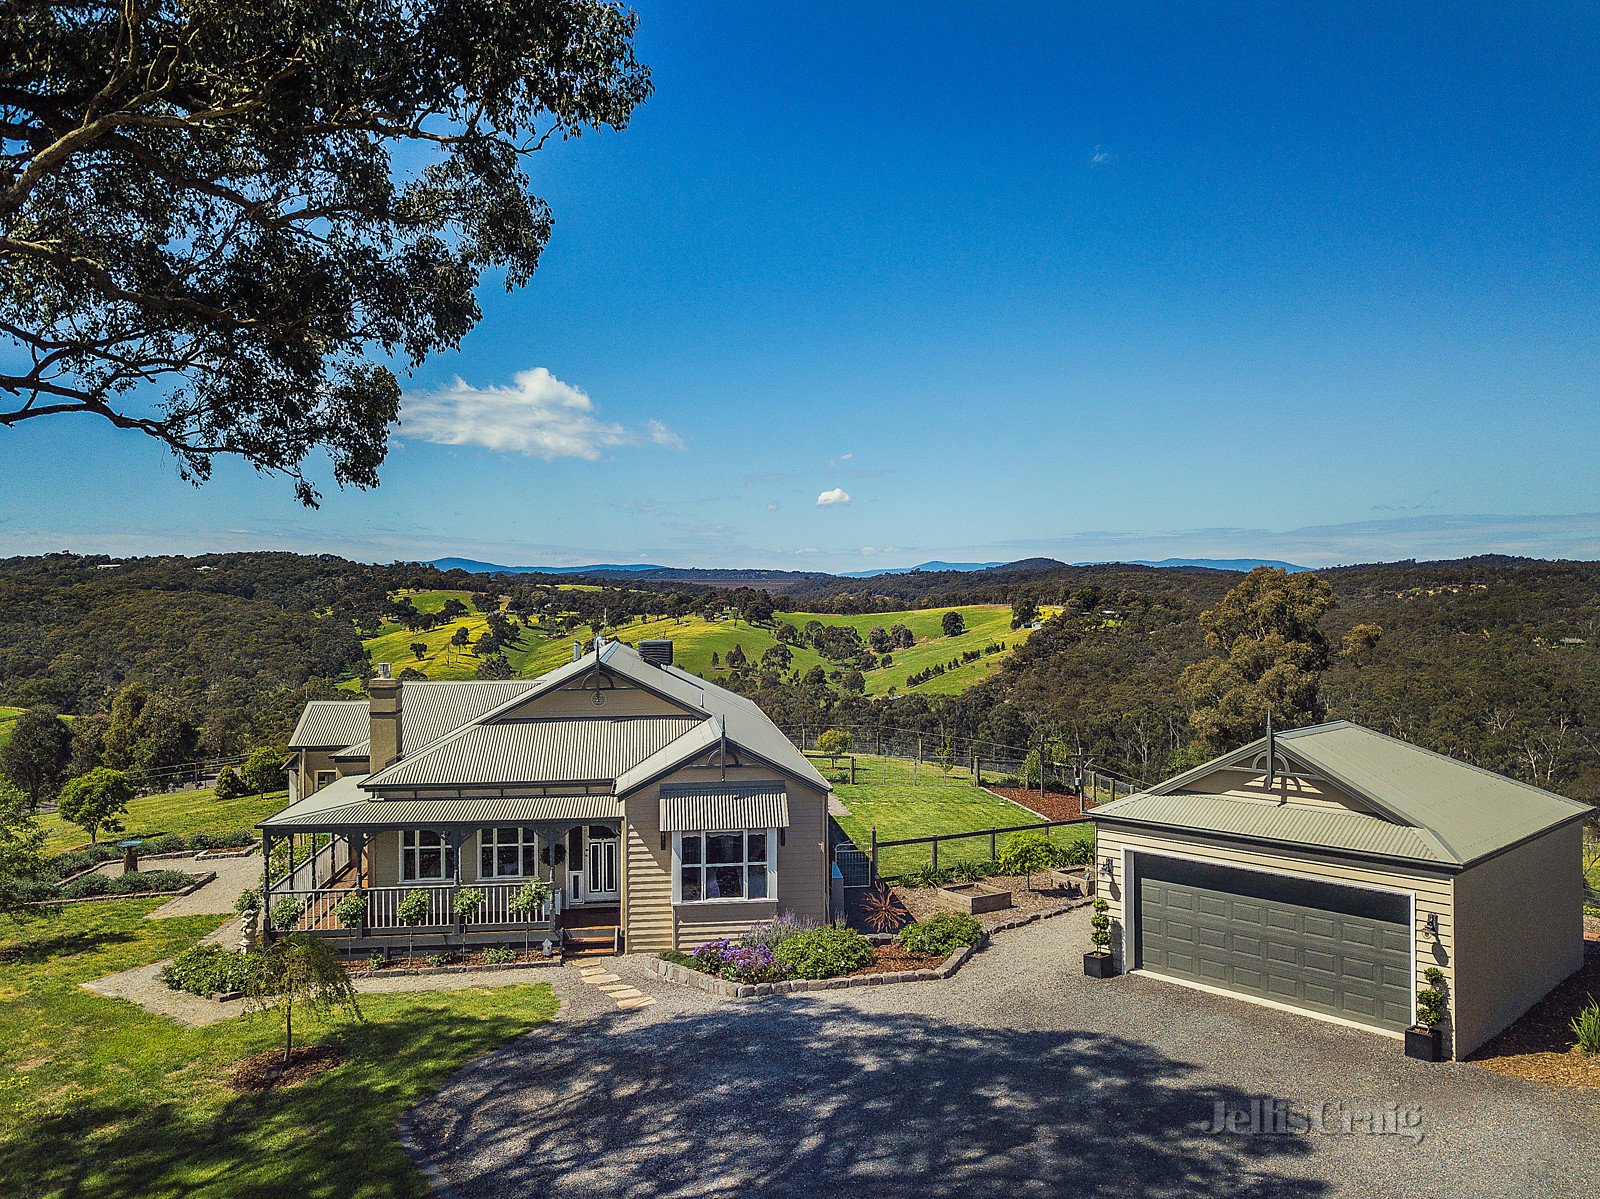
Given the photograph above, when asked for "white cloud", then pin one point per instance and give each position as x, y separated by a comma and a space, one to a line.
537, 415
837, 496
846, 457
810, 549
1100, 157
774, 506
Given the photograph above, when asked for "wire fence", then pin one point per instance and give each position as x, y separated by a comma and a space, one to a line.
907, 757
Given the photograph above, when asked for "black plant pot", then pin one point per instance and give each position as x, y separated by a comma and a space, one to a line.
1424, 1044
1099, 965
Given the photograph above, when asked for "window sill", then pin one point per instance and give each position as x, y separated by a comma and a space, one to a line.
714, 903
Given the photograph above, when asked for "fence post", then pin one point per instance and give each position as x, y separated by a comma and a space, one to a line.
874, 851
936, 853
993, 849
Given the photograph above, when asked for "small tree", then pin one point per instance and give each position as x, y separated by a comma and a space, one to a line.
351, 910
419, 649
22, 872
298, 971
952, 624
263, 770
834, 742
97, 801
1027, 854
412, 911
466, 904
525, 902
1100, 926
38, 755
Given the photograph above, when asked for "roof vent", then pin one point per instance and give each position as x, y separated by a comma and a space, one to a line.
658, 653
577, 650
384, 670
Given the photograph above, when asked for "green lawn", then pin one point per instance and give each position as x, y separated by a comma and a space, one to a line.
897, 808
185, 812
8, 718
98, 1098
697, 639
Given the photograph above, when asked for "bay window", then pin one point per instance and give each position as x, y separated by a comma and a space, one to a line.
426, 857
506, 852
733, 864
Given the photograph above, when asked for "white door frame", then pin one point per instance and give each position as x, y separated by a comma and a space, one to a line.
604, 855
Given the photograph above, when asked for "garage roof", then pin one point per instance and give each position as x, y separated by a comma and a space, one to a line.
1426, 807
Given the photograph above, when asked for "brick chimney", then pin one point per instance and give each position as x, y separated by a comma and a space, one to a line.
383, 701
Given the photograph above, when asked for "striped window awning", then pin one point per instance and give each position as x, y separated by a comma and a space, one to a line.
687, 808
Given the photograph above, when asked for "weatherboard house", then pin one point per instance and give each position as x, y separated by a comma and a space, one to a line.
660, 809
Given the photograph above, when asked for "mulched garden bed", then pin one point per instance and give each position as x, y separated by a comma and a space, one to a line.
1052, 805
891, 958
263, 1071
923, 902
358, 965
1538, 1047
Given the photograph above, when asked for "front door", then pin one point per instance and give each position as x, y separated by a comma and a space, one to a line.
600, 883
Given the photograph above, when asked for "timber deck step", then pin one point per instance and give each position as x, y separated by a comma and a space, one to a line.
594, 941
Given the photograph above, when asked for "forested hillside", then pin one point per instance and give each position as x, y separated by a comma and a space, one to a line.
1494, 660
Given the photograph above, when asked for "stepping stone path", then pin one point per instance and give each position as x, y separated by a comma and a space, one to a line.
626, 996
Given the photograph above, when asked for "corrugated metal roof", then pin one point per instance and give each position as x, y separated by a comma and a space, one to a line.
1290, 824
425, 813
542, 751
692, 744
1445, 811
432, 710
709, 807
330, 724
361, 749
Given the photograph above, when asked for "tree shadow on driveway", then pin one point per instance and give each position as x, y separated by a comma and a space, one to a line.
797, 1098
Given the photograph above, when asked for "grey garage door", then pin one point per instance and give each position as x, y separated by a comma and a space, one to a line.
1327, 948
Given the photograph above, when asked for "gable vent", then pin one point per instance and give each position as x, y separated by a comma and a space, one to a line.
658, 653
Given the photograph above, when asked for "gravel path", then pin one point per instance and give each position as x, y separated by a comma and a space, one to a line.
1017, 1077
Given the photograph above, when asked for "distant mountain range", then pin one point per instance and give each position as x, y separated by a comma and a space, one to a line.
652, 571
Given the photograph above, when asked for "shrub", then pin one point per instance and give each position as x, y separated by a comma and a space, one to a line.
442, 958
249, 901
351, 910
825, 952
165, 843
229, 785
834, 742
466, 902
1586, 1028
678, 958
971, 872
495, 955
929, 876
87, 887
740, 963
207, 970
150, 880
940, 936
1026, 855
1431, 999
376, 960
773, 933
1077, 852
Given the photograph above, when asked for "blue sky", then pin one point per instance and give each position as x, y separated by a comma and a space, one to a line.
1317, 283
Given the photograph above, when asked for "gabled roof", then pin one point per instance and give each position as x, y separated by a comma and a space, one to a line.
586, 749
343, 804
488, 739
1425, 807
330, 724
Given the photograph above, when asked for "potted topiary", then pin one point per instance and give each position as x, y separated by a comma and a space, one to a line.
1424, 1040
1099, 963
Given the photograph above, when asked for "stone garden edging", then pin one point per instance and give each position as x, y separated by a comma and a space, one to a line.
723, 988
461, 968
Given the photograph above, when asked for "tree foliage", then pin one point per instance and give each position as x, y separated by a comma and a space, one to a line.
298, 971
1270, 655
37, 757
22, 865
216, 220
97, 801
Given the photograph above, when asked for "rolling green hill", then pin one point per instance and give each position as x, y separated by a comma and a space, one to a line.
697, 639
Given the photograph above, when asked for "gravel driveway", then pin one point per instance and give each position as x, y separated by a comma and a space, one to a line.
1016, 1077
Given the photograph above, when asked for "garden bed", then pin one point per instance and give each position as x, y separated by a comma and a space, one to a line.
263, 1071
1539, 1046
200, 880
890, 964
923, 902
464, 964
1052, 805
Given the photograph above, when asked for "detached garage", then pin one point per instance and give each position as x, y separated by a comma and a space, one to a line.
1324, 869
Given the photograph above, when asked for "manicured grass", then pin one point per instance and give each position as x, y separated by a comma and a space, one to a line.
897, 808
99, 1098
185, 812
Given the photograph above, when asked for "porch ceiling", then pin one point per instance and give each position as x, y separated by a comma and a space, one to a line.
356, 813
